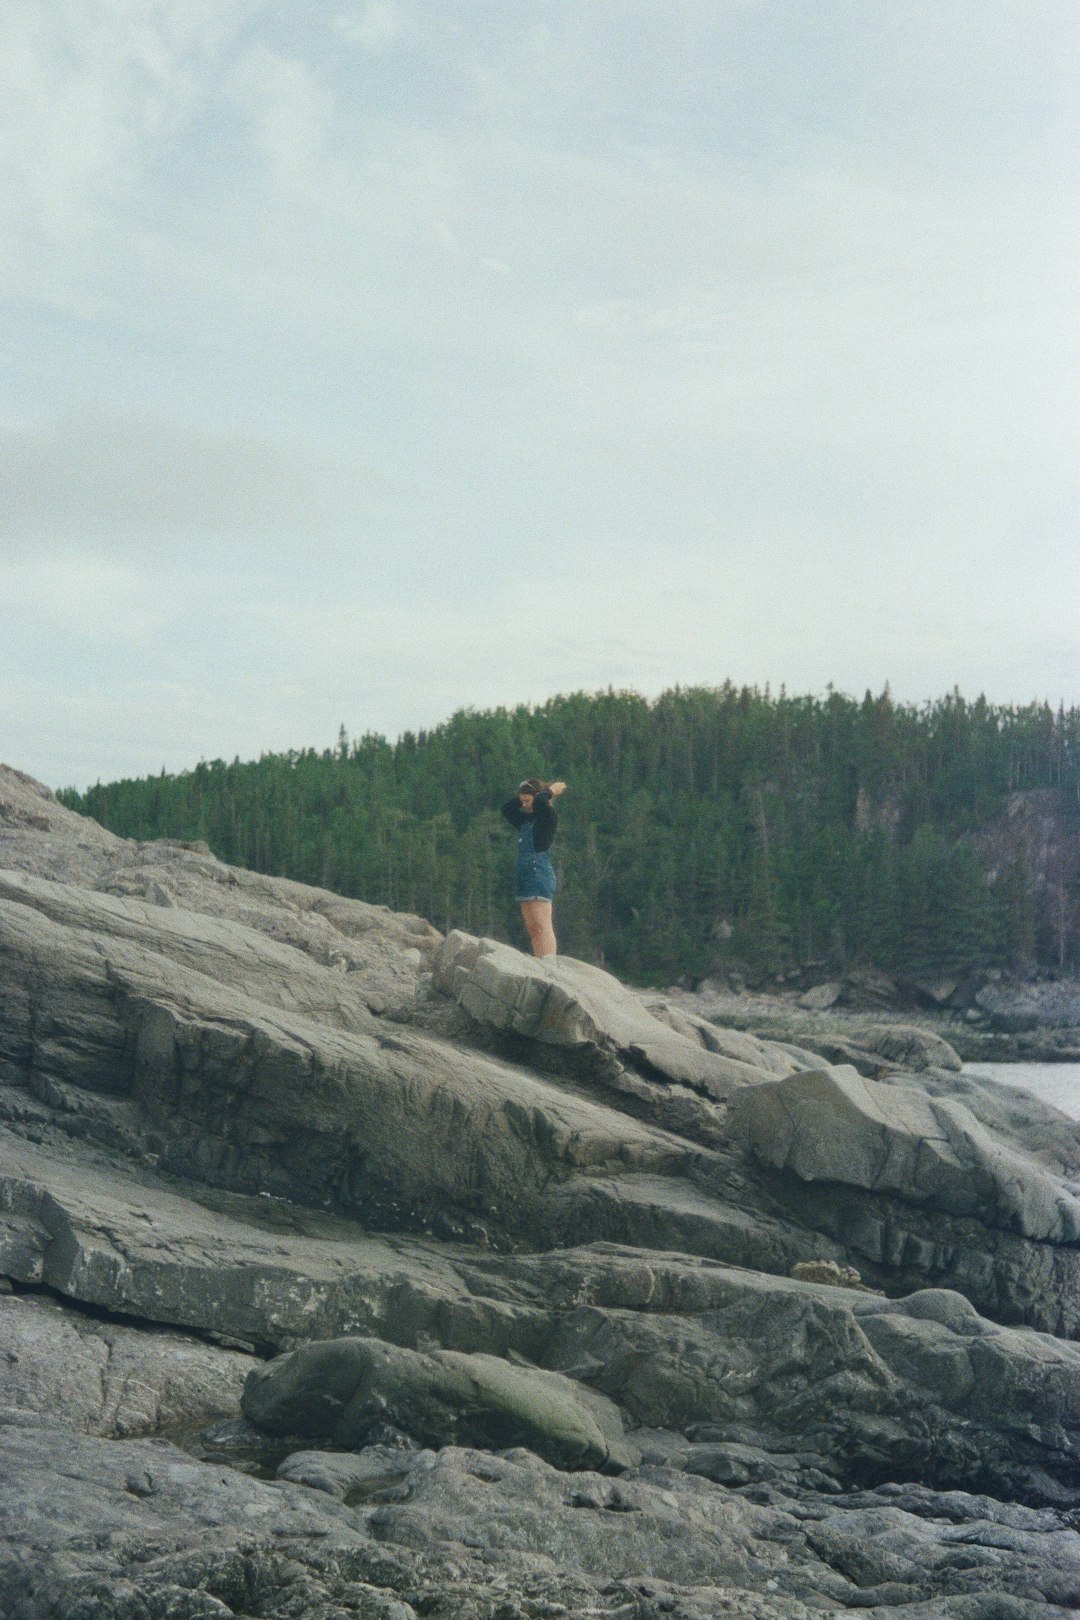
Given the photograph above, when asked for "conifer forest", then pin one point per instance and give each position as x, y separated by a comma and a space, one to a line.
708, 828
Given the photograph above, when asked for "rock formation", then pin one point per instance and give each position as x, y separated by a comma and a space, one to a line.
354, 1270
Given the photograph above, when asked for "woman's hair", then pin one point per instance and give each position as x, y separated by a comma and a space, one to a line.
533, 785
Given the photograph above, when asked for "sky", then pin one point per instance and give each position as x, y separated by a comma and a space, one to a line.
369, 360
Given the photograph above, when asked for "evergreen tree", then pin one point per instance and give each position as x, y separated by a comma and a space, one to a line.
715, 824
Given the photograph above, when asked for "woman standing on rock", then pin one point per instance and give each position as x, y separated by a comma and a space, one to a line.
533, 814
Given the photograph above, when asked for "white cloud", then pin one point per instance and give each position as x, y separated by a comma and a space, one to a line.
89, 89
94, 599
750, 357
289, 110
132, 480
377, 26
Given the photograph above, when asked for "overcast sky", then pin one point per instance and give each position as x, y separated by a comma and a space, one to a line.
367, 360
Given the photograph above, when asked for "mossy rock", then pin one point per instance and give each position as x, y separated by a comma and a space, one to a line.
342, 1389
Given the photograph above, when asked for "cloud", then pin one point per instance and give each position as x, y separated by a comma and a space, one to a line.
356, 342
89, 91
289, 111
135, 480
94, 599
376, 27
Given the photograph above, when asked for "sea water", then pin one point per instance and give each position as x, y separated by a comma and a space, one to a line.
1056, 1083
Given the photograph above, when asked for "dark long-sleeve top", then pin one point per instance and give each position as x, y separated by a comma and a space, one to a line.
544, 818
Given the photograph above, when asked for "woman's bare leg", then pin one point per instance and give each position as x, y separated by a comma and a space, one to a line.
537, 918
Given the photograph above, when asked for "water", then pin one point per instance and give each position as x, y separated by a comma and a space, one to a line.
1056, 1083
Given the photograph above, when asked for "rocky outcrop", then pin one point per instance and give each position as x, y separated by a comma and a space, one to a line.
981, 1017
881, 1050
847, 1385
571, 1005
82, 1224
1013, 1007
115, 1529
917, 1182
501, 1252
241, 1062
833, 1125
107, 1378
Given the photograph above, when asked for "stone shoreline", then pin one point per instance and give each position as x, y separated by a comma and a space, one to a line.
780, 1017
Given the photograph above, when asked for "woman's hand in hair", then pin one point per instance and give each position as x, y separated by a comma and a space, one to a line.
557, 788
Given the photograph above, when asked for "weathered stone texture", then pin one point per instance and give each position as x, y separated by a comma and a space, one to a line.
516, 1243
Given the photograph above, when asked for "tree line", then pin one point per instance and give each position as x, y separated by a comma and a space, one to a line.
709, 826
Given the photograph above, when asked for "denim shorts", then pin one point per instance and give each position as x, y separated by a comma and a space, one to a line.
534, 878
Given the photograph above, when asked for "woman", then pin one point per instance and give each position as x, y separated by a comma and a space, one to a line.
532, 813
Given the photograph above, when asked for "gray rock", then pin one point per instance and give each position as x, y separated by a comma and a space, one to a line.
859, 1385
343, 1389
834, 1125
259, 1072
910, 1048
106, 1378
790, 1554
731, 1043
821, 997
227, 1044
878, 1050
374, 1474
92, 1228
115, 1529
827, 1271
1012, 1005
565, 1003
378, 953
921, 1194
560, 1215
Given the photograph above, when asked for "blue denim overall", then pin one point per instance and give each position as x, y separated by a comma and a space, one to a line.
534, 875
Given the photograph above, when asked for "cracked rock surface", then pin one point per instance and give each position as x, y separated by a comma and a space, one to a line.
354, 1271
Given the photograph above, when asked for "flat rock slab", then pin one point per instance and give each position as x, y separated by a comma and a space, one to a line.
343, 1389
89, 1228
835, 1125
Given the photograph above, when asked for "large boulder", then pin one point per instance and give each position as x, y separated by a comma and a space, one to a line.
343, 1389
835, 1125
905, 1046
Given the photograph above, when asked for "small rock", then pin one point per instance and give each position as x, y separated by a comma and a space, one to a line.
821, 997
835, 1276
